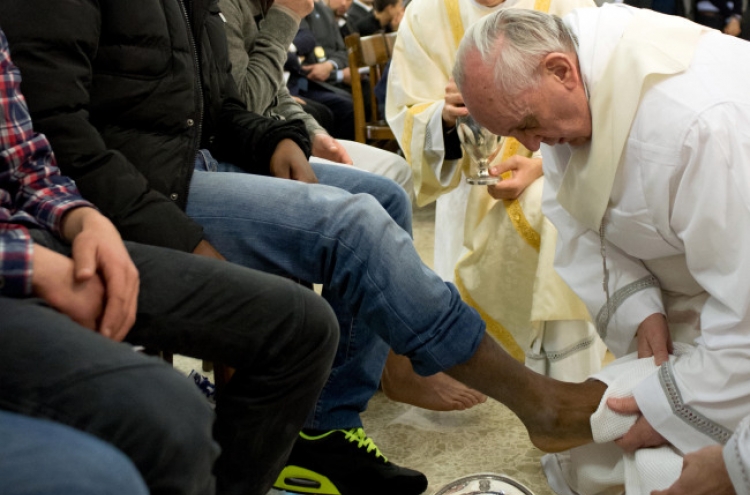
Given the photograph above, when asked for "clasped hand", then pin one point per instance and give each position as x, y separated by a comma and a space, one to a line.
97, 287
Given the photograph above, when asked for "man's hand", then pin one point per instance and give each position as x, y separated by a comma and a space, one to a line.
654, 339
703, 473
641, 434
318, 72
299, 7
525, 171
204, 248
733, 27
289, 162
54, 280
346, 75
99, 256
454, 105
324, 146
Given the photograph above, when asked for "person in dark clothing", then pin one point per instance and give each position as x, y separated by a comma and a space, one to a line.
384, 17
70, 291
307, 79
358, 10
724, 15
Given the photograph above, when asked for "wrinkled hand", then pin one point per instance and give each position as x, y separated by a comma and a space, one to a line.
54, 280
299, 7
733, 27
654, 339
703, 473
318, 72
641, 434
525, 171
454, 105
289, 162
324, 146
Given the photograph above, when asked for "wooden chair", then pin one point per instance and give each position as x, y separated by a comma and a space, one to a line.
370, 53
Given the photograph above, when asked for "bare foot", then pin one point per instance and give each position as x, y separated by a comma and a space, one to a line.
556, 414
438, 392
563, 421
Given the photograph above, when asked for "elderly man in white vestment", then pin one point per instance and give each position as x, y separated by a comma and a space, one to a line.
644, 125
494, 243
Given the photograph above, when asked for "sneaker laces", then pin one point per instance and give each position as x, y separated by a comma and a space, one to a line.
358, 435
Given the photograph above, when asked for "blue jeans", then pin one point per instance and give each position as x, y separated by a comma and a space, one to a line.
39, 457
352, 234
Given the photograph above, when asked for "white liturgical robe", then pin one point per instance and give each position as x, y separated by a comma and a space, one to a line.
675, 233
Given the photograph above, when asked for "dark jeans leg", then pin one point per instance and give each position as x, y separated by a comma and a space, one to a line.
53, 368
280, 337
321, 113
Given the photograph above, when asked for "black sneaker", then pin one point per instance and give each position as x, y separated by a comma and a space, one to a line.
345, 462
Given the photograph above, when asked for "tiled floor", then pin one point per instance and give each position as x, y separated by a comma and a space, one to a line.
446, 446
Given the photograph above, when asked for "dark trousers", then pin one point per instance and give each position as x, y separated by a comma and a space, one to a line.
341, 106
279, 336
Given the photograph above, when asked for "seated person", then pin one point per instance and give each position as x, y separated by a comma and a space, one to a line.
358, 10
384, 17
724, 15
70, 291
340, 9
165, 146
308, 78
257, 51
329, 62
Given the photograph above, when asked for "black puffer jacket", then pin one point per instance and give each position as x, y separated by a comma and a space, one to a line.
114, 85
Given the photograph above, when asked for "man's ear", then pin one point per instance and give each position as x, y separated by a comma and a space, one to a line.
561, 67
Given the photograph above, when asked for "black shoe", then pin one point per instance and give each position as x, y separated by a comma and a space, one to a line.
345, 462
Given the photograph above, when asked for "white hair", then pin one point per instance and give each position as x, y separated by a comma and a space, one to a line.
514, 42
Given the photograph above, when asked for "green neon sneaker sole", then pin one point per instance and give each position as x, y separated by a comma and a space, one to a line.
345, 462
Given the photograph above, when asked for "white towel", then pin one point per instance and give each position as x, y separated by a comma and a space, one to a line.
602, 468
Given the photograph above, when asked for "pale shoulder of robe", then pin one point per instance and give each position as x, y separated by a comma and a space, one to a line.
423, 58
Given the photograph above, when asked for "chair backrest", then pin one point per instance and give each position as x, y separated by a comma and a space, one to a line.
370, 52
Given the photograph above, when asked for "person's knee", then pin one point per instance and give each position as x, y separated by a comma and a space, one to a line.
162, 422
100, 470
396, 202
320, 329
43, 457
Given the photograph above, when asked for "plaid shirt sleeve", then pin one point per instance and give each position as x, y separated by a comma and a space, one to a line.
33, 194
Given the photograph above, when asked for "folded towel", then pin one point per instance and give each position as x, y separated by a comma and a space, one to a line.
603, 468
